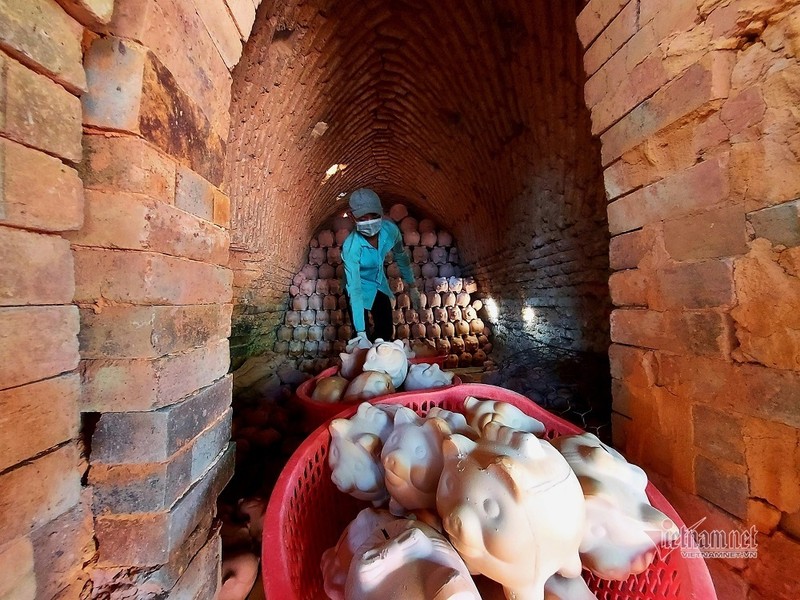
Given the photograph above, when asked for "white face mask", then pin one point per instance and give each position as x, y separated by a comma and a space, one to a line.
369, 228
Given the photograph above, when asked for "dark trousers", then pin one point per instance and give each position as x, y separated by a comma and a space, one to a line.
381, 318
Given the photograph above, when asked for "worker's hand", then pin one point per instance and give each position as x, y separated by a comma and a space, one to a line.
413, 294
360, 341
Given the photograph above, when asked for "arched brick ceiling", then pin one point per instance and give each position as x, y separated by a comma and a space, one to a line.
471, 111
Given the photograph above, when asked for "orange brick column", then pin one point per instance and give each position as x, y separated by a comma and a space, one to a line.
45, 518
153, 290
695, 105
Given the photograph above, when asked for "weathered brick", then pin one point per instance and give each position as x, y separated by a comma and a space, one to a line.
244, 14
776, 554
146, 437
92, 13
130, 90
628, 288
36, 268
779, 224
764, 173
38, 491
701, 186
703, 333
702, 83
147, 278
142, 384
41, 35
621, 29
635, 365
203, 576
723, 484
222, 209
222, 29
715, 233
127, 164
763, 515
38, 112
132, 221
773, 461
147, 539
174, 32
595, 16
610, 99
628, 249
728, 583
47, 423
38, 191
702, 284
17, 577
619, 430
771, 337
749, 389
718, 433
194, 194
61, 548
151, 487
38, 342
151, 331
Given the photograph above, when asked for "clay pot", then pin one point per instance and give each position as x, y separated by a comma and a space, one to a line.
448, 299
451, 362
310, 272
307, 287
322, 287
334, 286
448, 329
426, 315
457, 345
444, 238
411, 238
462, 299
294, 290
300, 333
334, 256
469, 314
315, 333
440, 315
453, 313
439, 256
433, 330
330, 389
281, 347
310, 348
420, 254
398, 212
476, 326
470, 286
446, 270
341, 236
325, 238
411, 316
434, 300
427, 239
403, 301
300, 302
326, 271
402, 331
292, 318
443, 345
465, 359
409, 224
455, 284
429, 270
398, 316
345, 332
315, 302
462, 328
337, 316
239, 573
330, 302
342, 301
418, 330
284, 333
471, 343
296, 348
308, 317
393, 270
476, 304
478, 358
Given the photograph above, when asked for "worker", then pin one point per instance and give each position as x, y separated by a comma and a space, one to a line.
363, 254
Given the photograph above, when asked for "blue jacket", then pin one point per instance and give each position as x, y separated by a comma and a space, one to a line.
364, 271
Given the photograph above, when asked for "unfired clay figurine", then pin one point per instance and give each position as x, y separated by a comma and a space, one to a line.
456, 421
562, 588
513, 508
370, 384
353, 358
355, 451
423, 376
481, 412
336, 561
622, 529
407, 560
389, 358
412, 461
330, 389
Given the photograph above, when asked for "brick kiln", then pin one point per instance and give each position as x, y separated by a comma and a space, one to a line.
620, 176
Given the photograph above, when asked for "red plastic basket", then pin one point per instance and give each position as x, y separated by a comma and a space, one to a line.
315, 413
306, 514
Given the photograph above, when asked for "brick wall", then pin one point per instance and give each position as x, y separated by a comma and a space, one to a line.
473, 115
116, 295
42, 506
695, 106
